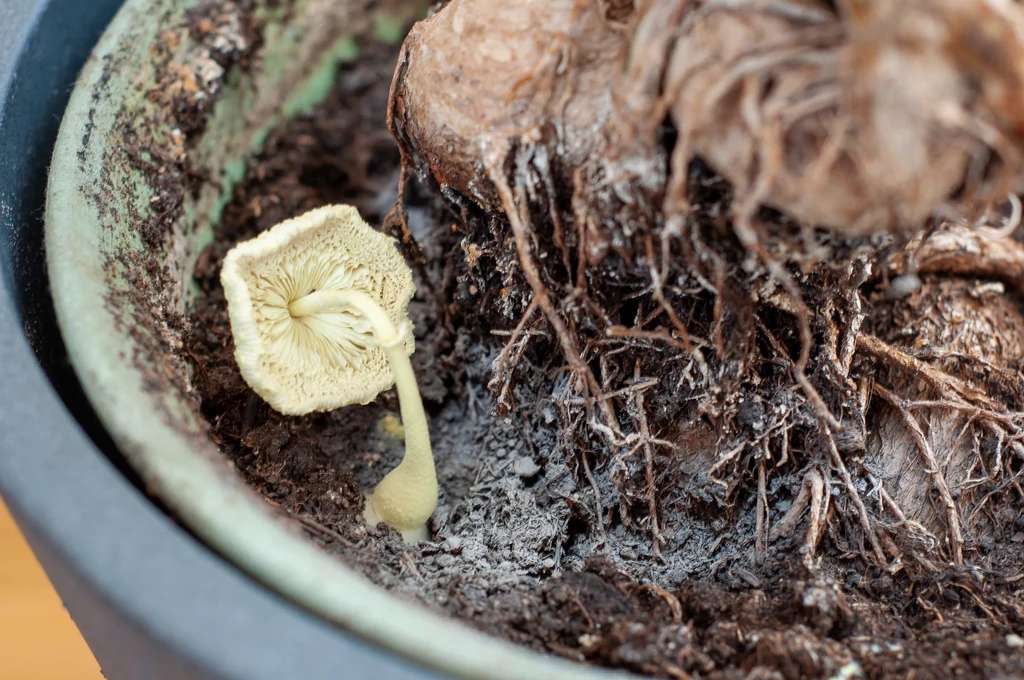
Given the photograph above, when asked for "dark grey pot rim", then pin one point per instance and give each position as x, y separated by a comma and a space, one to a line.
151, 600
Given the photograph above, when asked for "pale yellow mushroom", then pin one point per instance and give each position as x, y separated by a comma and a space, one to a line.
319, 313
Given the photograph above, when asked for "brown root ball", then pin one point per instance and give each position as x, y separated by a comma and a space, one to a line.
756, 356
871, 117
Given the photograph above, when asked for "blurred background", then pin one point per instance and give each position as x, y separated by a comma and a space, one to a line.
38, 640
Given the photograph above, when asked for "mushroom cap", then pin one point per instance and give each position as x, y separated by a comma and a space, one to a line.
322, 361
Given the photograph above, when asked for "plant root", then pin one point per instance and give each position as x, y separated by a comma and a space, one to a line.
702, 351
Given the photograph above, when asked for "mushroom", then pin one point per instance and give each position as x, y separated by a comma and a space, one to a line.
319, 312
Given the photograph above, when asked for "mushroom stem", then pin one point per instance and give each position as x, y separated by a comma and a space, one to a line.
407, 495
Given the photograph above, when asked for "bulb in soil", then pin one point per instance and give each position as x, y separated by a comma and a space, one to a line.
874, 116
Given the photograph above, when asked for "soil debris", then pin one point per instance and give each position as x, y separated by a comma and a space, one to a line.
545, 536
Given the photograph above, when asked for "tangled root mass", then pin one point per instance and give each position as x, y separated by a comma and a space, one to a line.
757, 255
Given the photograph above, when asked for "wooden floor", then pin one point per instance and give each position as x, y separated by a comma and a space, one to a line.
38, 640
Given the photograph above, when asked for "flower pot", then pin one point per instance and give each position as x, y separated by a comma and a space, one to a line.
176, 96
151, 600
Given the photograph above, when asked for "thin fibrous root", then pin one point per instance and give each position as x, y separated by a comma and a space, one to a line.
510, 355
947, 385
651, 488
743, 226
542, 295
814, 527
761, 530
792, 517
858, 502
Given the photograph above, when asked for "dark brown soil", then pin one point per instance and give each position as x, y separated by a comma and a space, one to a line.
527, 545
